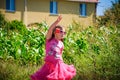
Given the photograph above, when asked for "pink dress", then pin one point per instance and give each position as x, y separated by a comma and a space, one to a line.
54, 67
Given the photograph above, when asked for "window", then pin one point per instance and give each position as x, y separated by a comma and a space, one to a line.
83, 10
10, 5
53, 7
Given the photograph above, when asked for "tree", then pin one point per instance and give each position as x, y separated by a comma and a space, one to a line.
111, 15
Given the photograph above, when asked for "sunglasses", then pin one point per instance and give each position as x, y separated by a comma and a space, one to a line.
59, 31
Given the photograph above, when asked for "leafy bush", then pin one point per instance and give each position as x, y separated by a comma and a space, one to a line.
94, 52
3, 22
22, 44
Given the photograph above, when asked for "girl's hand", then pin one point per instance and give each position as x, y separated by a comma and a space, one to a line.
59, 18
50, 30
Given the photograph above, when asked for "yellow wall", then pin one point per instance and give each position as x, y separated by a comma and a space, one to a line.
38, 11
18, 14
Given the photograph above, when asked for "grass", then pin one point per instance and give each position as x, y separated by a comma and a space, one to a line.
10, 70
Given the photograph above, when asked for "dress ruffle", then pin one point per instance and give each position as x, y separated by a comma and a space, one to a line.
58, 71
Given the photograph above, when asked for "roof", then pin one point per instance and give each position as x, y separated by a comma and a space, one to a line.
91, 1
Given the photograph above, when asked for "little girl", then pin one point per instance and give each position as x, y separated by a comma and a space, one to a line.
54, 67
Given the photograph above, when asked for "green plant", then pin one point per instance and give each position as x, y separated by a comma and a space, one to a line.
3, 21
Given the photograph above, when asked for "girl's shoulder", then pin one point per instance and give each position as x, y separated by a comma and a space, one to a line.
50, 42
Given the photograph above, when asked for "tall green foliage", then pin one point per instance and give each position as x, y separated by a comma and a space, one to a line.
22, 44
94, 52
3, 22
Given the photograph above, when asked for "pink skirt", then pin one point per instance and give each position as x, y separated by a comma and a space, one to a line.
58, 71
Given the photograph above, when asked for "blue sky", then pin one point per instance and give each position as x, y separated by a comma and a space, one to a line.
103, 5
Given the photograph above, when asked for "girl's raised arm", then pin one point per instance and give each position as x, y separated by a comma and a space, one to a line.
50, 30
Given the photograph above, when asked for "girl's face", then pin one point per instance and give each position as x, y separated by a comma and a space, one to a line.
59, 33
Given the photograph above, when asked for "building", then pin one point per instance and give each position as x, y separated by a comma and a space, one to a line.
32, 11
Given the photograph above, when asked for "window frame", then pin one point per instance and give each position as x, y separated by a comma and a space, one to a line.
83, 9
53, 7
10, 5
